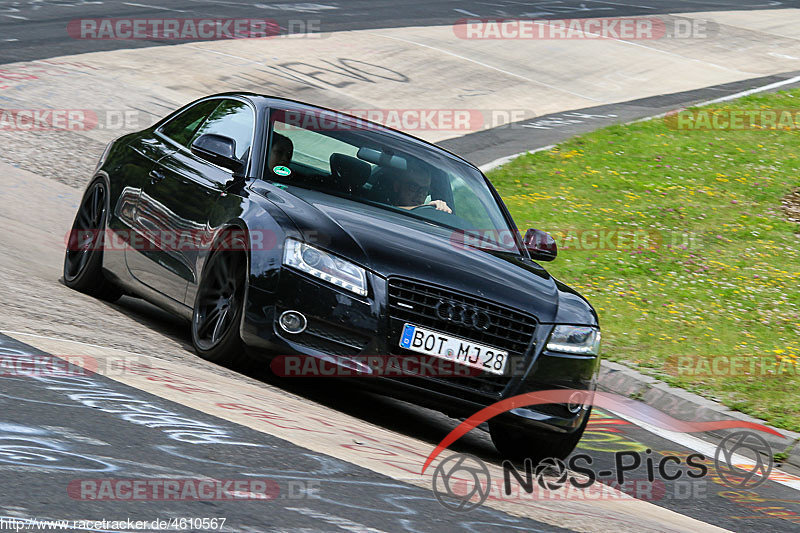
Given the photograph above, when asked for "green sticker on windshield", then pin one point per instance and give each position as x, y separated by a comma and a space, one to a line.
280, 170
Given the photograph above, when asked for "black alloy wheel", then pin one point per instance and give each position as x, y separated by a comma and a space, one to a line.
219, 303
83, 259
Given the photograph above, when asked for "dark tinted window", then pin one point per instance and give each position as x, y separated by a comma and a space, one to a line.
233, 119
181, 129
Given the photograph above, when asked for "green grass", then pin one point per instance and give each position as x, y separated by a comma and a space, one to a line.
723, 278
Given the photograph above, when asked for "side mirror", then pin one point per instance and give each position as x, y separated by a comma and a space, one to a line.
541, 245
219, 150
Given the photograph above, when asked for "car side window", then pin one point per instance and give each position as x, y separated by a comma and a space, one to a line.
312, 148
233, 119
182, 128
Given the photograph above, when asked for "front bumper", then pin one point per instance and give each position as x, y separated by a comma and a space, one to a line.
342, 324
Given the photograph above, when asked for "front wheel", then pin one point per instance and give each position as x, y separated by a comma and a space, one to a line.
218, 306
83, 260
518, 444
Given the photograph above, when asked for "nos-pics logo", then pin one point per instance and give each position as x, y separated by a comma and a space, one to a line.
462, 482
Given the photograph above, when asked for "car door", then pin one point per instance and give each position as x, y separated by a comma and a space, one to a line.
176, 202
144, 153
138, 171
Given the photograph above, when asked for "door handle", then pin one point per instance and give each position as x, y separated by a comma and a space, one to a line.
156, 176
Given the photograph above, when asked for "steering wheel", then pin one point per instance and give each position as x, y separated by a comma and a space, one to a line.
424, 206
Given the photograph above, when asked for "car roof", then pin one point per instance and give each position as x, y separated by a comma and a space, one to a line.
262, 100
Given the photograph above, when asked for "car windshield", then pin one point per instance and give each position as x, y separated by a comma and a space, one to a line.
340, 155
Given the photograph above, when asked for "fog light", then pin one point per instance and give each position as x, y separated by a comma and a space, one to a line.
576, 402
292, 322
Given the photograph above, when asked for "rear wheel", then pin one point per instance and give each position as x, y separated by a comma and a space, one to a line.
518, 445
218, 305
83, 260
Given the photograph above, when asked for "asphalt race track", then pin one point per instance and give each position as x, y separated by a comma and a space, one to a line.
137, 404
40, 36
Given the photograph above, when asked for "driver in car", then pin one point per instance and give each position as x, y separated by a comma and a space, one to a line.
413, 187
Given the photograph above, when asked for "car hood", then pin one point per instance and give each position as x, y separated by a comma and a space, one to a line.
395, 244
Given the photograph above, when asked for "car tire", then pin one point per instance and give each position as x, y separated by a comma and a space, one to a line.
219, 304
83, 259
518, 445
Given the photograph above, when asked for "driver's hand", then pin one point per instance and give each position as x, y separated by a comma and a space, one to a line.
440, 205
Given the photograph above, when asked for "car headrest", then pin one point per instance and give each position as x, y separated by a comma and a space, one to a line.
383, 179
350, 172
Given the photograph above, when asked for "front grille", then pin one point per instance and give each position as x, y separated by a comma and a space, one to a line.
510, 330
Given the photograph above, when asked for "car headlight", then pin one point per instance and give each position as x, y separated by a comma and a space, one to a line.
325, 266
582, 340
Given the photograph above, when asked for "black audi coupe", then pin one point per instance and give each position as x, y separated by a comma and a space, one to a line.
279, 228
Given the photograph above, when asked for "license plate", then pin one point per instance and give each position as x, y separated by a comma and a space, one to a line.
444, 345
